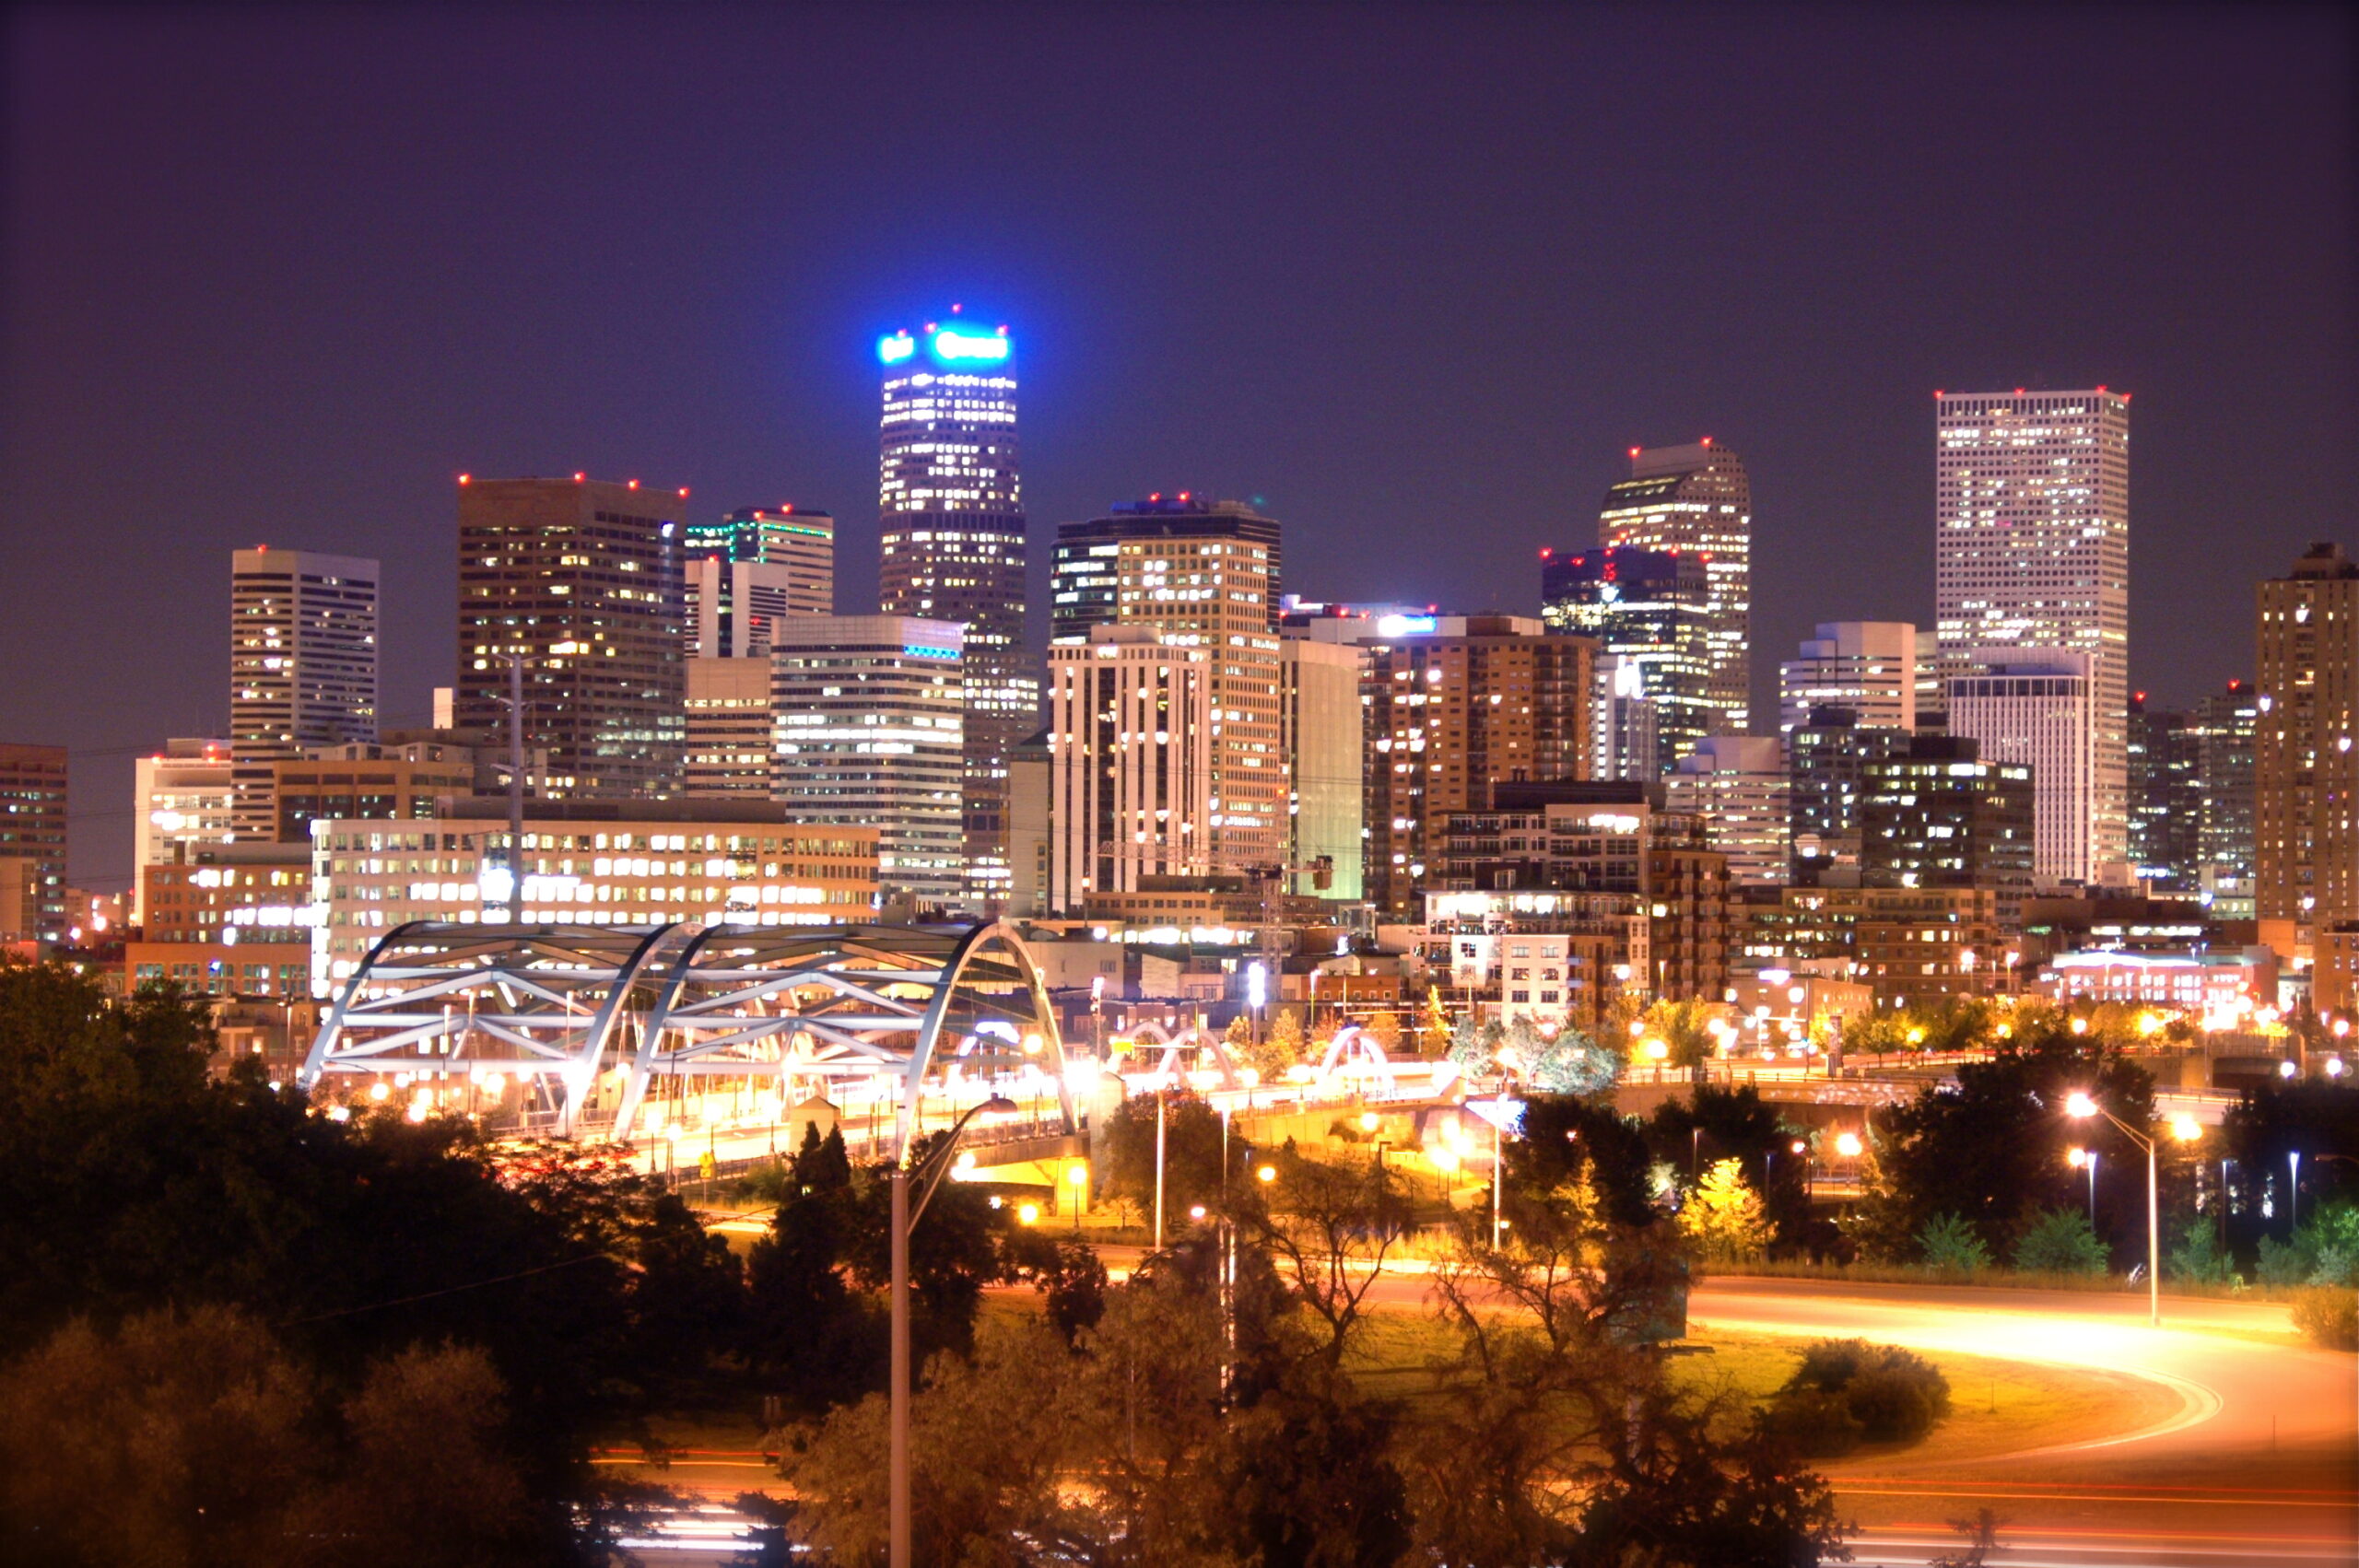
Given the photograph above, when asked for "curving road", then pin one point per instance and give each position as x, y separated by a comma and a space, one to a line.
2254, 1461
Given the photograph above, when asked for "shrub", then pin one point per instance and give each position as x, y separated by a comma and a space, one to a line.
2199, 1258
1894, 1395
2285, 1262
2328, 1315
2059, 1241
1817, 1424
1948, 1242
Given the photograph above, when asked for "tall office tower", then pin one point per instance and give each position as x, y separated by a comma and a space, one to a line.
2166, 797
1094, 559
732, 747
1200, 569
2226, 722
752, 570
1651, 608
183, 800
1472, 702
1737, 785
871, 713
1320, 737
32, 843
1938, 814
581, 579
1695, 500
1931, 713
1868, 667
952, 538
1827, 756
2306, 751
1627, 744
1131, 786
2035, 706
302, 666
2032, 550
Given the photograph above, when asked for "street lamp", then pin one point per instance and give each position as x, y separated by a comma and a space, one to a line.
905, 1218
2078, 1158
2080, 1107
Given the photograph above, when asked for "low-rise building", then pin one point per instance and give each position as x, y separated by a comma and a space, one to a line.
584, 862
228, 920
2197, 982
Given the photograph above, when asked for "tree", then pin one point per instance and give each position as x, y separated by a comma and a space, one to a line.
1191, 1152
1683, 1026
1328, 1229
1308, 1473
1563, 1139
1992, 1148
1383, 1025
2059, 1241
177, 1439
1568, 1062
1474, 1043
1714, 1123
1723, 1216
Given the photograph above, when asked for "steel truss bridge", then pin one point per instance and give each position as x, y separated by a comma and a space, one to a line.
588, 1017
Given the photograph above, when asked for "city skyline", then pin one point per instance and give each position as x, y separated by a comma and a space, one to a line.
1812, 346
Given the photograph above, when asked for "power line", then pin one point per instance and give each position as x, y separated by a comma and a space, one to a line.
429, 1296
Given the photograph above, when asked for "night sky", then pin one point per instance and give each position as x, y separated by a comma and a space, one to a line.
1415, 279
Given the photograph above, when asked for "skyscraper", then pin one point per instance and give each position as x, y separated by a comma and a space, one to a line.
2166, 797
1202, 570
1936, 814
1131, 786
1455, 705
1867, 667
752, 570
2034, 706
1647, 608
2225, 722
303, 667
1828, 759
2032, 552
871, 720
952, 515
2306, 751
1320, 690
581, 578
1697, 500
1086, 575
1737, 785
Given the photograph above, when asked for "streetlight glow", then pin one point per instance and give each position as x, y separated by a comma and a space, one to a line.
2079, 1104
1267, 1173
1847, 1145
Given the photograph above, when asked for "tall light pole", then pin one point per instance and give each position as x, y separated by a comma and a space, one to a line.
2087, 1157
904, 1221
2184, 1129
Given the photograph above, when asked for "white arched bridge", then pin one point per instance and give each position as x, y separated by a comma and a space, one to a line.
587, 1021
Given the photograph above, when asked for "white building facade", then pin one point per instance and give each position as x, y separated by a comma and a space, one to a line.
1869, 667
1738, 784
2038, 708
302, 666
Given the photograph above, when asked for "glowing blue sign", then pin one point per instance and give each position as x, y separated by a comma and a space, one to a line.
951, 344
1404, 626
894, 347
919, 650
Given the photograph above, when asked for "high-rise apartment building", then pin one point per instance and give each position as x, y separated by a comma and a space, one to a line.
2032, 552
2166, 797
182, 799
2306, 751
871, 733
752, 570
1320, 723
1200, 570
1738, 787
1450, 712
1627, 744
731, 744
2035, 706
1866, 667
952, 518
1931, 713
32, 843
1131, 783
1695, 500
302, 666
1651, 609
1086, 577
581, 579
